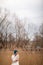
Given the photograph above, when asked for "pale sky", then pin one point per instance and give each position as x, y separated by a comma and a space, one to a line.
31, 9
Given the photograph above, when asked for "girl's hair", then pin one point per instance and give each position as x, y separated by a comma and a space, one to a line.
15, 51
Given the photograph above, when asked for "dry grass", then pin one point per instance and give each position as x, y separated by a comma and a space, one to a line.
26, 58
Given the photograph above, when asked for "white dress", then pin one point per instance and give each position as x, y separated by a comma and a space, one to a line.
13, 57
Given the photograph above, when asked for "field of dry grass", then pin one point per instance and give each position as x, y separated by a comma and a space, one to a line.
26, 57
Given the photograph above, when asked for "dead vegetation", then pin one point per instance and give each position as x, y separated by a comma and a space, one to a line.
26, 57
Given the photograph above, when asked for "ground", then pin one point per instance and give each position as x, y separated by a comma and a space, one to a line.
26, 57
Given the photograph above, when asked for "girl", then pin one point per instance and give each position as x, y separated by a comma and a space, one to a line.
15, 58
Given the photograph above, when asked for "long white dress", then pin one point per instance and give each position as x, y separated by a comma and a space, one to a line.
13, 57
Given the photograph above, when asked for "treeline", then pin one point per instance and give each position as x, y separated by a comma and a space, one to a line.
19, 36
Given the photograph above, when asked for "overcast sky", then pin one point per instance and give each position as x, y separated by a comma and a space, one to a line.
31, 9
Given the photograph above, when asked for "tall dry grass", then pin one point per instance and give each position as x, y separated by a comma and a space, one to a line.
26, 57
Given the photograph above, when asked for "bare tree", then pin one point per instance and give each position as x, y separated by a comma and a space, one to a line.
4, 23
41, 29
37, 42
21, 33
